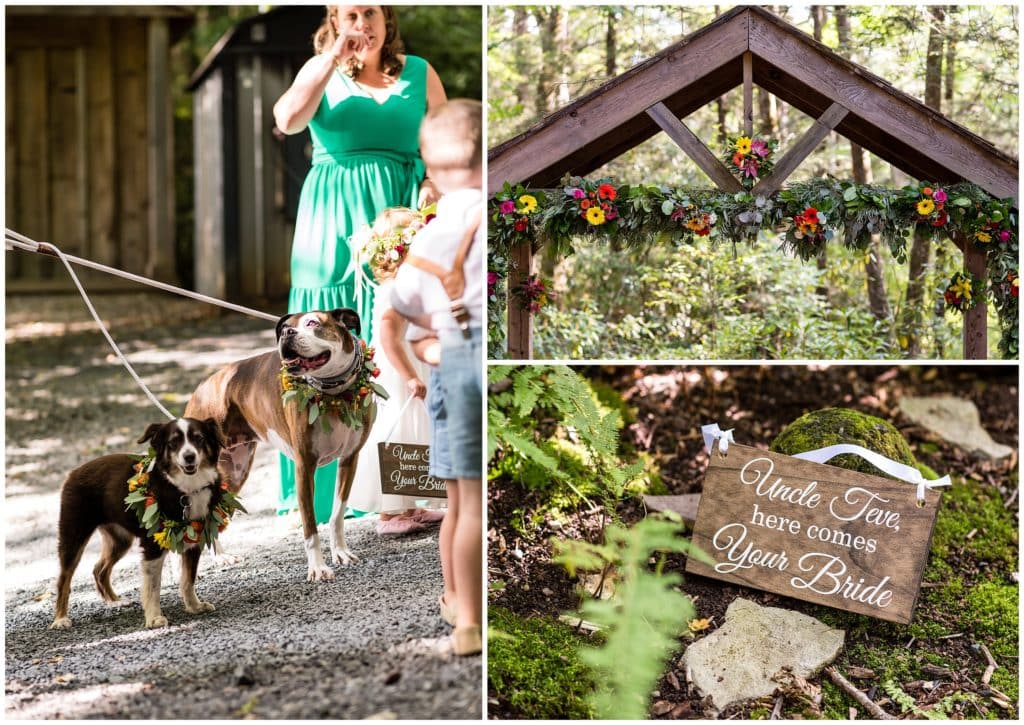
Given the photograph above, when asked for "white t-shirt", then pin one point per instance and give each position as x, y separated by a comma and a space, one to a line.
416, 292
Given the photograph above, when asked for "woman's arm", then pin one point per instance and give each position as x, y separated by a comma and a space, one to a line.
296, 107
392, 326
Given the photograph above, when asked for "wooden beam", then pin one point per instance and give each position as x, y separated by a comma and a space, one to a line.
694, 148
520, 322
800, 150
748, 93
976, 318
618, 101
890, 111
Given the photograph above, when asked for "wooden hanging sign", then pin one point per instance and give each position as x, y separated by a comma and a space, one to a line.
815, 532
405, 471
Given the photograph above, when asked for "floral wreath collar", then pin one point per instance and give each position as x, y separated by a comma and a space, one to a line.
335, 385
173, 534
348, 405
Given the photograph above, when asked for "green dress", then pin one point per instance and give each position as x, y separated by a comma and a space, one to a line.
365, 159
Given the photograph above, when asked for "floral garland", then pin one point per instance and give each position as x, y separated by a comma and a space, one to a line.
172, 534
348, 406
534, 293
848, 212
963, 292
385, 245
750, 158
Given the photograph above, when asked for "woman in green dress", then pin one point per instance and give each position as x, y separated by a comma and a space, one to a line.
363, 101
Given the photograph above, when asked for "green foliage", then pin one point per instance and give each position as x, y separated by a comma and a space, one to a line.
448, 36
535, 393
969, 506
939, 711
994, 609
534, 668
640, 622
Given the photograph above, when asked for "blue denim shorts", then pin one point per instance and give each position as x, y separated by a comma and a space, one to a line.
462, 383
440, 451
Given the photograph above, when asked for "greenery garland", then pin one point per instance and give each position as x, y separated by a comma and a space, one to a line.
348, 406
173, 534
807, 214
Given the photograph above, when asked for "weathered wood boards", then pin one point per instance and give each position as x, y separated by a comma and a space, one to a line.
814, 532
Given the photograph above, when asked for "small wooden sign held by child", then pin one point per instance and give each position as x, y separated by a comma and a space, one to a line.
404, 471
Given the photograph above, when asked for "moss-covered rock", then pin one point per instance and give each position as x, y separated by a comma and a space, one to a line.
533, 667
832, 426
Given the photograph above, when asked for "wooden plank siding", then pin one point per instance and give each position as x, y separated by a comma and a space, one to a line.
78, 167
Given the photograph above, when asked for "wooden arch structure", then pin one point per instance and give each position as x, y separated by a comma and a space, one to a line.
750, 46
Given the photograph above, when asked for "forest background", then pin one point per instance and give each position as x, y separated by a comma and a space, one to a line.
753, 302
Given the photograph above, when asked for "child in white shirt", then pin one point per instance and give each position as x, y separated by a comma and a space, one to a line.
451, 145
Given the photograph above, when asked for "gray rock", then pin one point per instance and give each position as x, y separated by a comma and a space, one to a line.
737, 661
955, 420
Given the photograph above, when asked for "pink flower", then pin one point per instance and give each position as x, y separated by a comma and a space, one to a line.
749, 167
578, 194
678, 214
610, 215
939, 196
1004, 236
399, 248
759, 147
508, 207
492, 278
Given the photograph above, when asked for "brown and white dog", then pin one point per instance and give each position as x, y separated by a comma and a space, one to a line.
245, 398
185, 483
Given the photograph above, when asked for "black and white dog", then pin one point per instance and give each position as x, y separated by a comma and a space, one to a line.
184, 482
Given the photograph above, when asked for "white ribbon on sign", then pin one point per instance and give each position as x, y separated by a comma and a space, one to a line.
897, 470
713, 433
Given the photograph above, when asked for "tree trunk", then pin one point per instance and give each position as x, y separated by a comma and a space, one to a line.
878, 298
920, 251
610, 43
519, 25
547, 96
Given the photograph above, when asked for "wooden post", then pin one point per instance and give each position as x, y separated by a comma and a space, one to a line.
520, 323
976, 318
748, 93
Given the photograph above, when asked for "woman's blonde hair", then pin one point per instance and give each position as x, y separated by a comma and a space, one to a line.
392, 47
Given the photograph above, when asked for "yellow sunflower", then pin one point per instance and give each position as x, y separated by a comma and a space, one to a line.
743, 145
925, 207
528, 202
595, 216
983, 237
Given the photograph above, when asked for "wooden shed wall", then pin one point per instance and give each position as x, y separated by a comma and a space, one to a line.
77, 130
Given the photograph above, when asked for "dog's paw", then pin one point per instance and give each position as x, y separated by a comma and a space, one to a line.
202, 608
320, 573
155, 622
61, 623
343, 556
219, 560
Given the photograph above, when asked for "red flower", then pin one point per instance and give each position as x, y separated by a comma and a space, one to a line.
585, 204
376, 372
941, 219
522, 224
428, 218
607, 191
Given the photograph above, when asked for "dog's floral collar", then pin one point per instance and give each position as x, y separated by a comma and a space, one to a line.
348, 406
173, 534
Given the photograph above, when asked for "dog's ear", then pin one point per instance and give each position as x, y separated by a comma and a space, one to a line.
151, 432
280, 324
214, 431
347, 318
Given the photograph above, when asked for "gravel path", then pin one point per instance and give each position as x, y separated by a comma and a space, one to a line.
368, 644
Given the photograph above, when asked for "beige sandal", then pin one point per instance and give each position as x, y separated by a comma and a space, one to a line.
447, 612
467, 640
